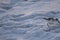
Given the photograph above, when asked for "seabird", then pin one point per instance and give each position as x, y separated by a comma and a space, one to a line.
53, 23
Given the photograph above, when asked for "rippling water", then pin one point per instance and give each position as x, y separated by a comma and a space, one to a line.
24, 20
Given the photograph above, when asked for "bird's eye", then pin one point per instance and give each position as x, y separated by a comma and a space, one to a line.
56, 19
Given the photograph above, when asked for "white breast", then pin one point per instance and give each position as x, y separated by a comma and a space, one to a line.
53, 23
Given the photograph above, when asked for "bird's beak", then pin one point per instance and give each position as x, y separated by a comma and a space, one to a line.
45, 18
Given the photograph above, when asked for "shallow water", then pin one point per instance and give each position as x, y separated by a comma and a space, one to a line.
24, 20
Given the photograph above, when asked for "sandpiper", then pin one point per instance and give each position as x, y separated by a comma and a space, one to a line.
53, 23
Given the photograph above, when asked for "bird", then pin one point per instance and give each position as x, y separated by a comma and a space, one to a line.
52, 23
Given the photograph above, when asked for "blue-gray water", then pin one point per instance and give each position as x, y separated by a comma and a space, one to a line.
24, 20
